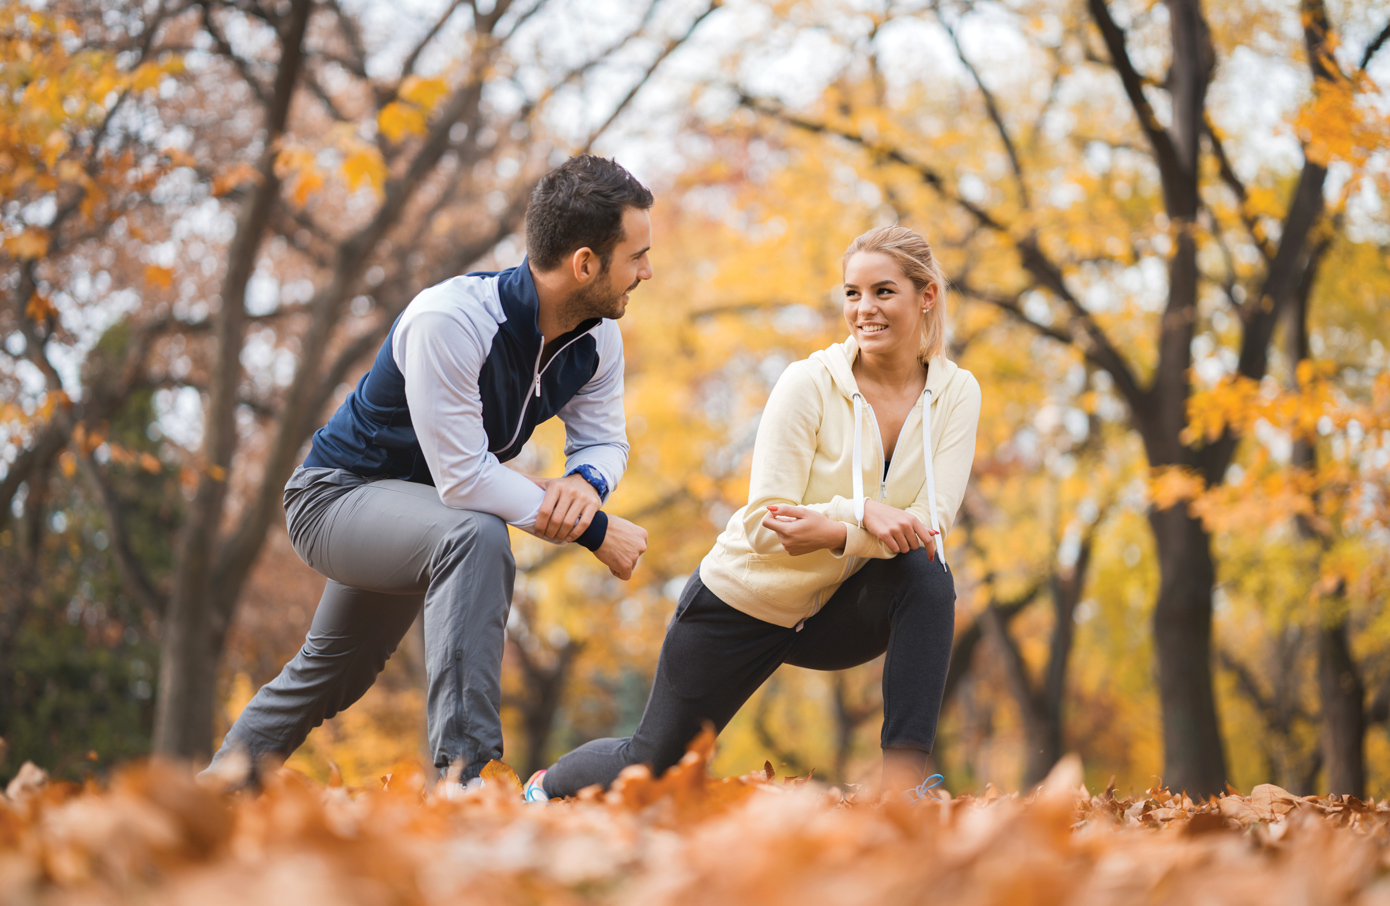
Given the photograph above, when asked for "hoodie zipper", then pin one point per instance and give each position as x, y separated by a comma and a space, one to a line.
882, 488
536, 385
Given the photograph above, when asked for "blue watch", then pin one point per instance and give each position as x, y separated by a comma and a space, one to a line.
593, 477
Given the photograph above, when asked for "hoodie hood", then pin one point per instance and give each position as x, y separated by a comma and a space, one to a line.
838, 359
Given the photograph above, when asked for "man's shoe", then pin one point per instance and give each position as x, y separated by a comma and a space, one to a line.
534, 791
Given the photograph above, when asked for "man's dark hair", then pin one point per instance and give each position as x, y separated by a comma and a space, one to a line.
579, 205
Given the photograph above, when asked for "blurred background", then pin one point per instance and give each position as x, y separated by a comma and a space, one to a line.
1164, 224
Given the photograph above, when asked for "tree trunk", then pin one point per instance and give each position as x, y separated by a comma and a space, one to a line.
1342, 694
1343, 712
192, 629
545, 687
1192, 751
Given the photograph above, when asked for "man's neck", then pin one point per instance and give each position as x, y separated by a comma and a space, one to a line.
552, 292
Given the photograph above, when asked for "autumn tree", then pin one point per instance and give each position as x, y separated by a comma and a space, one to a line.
340, 175
1159, 187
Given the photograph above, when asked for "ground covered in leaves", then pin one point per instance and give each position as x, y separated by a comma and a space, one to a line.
154, 836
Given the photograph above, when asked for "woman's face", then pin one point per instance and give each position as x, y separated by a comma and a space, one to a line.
882, 308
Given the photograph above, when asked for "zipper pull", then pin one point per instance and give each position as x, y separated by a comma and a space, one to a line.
538, 386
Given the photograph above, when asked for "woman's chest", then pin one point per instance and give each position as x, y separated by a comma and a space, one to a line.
889, 416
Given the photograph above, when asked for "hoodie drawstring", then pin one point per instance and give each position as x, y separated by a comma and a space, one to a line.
858, 460
931, 479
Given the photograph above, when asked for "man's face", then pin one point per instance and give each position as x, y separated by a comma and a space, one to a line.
607, 295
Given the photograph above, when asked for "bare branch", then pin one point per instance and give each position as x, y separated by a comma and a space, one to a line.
224, 47
408, 67
1162, 143
1374, 47
134, 577
991, 107
666, 50
1237, 187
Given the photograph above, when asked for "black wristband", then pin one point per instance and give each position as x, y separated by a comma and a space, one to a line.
593, 535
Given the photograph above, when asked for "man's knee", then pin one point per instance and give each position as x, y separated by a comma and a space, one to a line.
480, 534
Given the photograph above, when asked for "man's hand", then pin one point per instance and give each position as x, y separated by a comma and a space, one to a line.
899, 530
569, 506
621, 547
803, 530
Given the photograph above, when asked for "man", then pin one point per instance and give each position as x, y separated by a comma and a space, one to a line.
403, 500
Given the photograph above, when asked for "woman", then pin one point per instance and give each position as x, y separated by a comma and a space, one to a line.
816, 570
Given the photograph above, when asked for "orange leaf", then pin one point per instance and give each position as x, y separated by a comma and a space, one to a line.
498, 772
162, 277
32, 243
233, 177
39, 308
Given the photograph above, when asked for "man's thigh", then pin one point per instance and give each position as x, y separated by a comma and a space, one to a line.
384, 535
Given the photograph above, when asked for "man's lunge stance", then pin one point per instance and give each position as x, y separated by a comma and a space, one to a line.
403, 500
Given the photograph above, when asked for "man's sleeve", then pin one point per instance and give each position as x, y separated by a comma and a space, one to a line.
440, 356
595, 425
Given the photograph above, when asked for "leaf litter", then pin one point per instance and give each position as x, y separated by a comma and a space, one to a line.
153, 835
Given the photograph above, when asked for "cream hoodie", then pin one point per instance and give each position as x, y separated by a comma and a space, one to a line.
815, 430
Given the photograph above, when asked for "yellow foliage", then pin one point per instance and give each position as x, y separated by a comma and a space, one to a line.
1171, 485
398, 120
363, 163
1336, 126
424, 93
298, 166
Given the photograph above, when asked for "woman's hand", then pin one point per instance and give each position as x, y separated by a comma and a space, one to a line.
900, 531
803, 530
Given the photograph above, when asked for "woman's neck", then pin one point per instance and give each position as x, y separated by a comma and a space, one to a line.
890, 371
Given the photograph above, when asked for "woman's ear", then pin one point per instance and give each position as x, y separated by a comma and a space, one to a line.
929, 297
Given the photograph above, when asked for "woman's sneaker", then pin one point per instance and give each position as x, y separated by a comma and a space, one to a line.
534, 791
924, 789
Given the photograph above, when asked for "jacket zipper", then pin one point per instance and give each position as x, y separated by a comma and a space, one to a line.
536, 385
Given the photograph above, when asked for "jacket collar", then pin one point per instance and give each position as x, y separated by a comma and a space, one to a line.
516, 289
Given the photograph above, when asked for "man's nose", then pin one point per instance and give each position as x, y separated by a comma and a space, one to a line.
644, 271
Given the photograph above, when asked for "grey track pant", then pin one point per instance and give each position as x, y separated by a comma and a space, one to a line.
388, 547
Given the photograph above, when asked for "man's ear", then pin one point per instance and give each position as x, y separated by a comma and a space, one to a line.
585, 264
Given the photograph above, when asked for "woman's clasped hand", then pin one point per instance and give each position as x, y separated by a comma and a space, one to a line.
803, 530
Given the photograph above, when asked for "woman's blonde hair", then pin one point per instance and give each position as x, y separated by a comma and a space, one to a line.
912, 253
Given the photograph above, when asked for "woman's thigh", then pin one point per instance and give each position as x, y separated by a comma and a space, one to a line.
858, 621
713, 658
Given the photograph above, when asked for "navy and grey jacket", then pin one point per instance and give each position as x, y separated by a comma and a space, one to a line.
459, 386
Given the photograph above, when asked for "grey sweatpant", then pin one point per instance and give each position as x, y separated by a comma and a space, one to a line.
388, 547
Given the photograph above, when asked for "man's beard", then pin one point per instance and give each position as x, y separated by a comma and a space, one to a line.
598, 300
